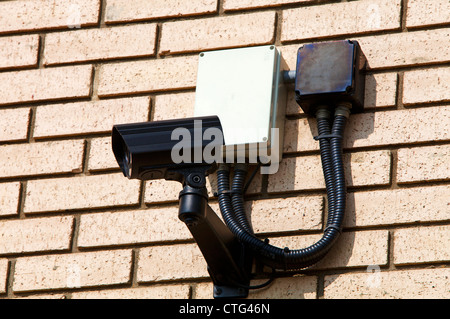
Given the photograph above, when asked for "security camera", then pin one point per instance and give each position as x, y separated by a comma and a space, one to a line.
329, 85
187, 150
153, 150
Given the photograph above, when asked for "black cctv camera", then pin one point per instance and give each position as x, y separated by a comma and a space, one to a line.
155, 150
187, 150
329, 85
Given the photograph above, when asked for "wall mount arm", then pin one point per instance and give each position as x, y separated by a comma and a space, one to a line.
229, 263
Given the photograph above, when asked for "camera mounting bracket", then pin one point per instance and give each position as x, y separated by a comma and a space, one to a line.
229, 262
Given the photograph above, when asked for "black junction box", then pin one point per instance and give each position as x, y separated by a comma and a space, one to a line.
330, 73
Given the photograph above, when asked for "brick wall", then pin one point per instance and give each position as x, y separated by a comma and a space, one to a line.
71, 226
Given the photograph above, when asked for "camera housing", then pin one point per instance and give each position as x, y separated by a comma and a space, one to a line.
149, 150
154, 150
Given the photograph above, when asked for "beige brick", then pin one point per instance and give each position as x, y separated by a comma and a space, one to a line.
100, 44
286, 214
43, 296
153, 292
170, 263
80, 192
405, 49
422, 244
163, 191
131, 227
305, 172
250, 4
289, 53
101, 156
429, 85
398, 127
423, 164
19, 51
398, 284
3, 274
375, 129
41, 158
215, 33
38, 234
160, 191
381, 90
174, 106
353, 249
147, 76
45, 84
340, 18
299, 135
389, 207
424, 12
203, 290
25, 15
122, 10
292, 108
100, 268
298, 287
9, 198
89, 117
368, 168
14, 124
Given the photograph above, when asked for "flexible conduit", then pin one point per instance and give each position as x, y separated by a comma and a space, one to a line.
231, 201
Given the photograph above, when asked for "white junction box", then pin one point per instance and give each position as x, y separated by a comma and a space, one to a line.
244, 87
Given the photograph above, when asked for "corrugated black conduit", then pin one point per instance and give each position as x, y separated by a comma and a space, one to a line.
231, 201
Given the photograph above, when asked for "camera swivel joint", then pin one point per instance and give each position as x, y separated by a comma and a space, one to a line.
229, 263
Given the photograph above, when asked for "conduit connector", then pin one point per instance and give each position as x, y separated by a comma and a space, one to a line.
289, 76
343, 109
323, 112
